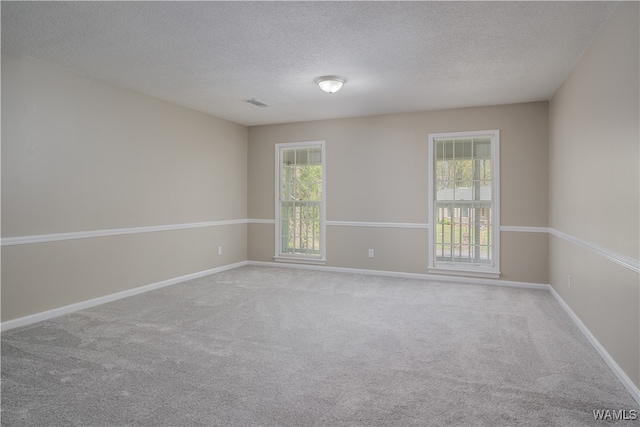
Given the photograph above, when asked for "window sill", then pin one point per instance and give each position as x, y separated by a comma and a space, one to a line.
300, 260
467, 273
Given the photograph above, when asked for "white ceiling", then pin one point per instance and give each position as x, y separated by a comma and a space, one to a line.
396, 56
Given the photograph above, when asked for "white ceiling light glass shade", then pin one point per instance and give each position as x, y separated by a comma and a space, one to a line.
330, 84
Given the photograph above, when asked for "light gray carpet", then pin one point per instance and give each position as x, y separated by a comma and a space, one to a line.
275, 346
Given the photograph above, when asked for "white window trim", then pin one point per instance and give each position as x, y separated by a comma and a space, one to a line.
492, 271
300, 259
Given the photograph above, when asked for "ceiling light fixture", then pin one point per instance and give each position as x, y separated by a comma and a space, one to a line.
330, 84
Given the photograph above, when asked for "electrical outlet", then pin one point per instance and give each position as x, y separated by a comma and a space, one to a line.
370, 253
219, 250
569, 280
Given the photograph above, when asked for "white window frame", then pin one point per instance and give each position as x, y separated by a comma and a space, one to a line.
466, 269
292, 258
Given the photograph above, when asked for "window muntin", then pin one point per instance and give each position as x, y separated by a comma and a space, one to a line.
300, 227
464, 215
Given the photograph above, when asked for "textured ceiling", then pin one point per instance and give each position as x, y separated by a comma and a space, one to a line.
396, 56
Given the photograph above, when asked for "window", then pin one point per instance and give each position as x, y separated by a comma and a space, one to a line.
464, 195
300, 206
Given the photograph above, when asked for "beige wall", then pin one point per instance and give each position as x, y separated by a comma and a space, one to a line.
594, 187
81, 155
377, 172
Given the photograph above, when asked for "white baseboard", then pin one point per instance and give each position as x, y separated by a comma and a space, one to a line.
622, 376
49, 314
422, 276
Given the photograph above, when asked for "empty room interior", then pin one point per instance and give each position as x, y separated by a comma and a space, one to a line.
320, 213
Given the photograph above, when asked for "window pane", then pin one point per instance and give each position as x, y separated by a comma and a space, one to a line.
463, 200
485, 190
301, 200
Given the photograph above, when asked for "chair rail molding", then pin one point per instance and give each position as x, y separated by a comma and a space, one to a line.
73, 235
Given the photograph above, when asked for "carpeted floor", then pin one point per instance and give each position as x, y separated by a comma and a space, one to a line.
276, 346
